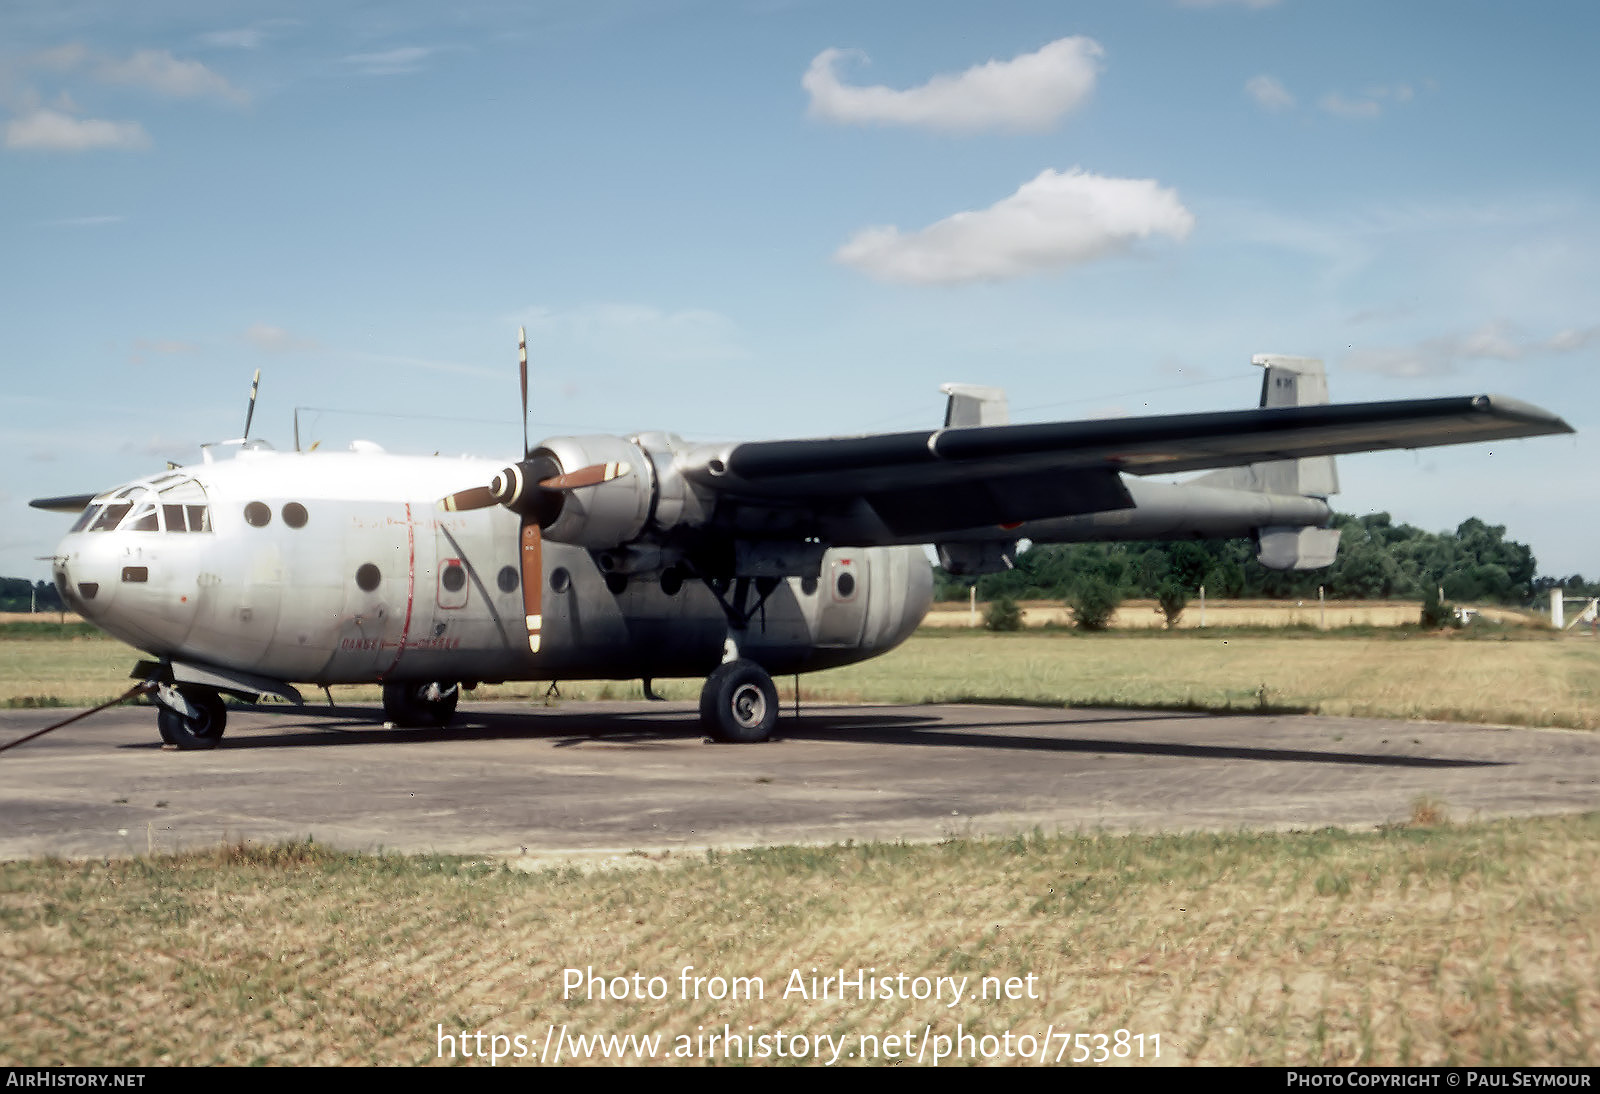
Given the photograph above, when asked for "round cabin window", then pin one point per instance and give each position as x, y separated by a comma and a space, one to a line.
453, 578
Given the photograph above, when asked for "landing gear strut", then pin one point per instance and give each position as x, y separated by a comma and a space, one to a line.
739, 704
190, 717
409, 703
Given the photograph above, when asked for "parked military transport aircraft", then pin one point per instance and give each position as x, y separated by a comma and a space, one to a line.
646, 556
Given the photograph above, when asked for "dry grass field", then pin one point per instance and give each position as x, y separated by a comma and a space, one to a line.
1425, 944
1429, 943
1511, 675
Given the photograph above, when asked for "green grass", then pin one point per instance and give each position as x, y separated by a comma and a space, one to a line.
1419, 944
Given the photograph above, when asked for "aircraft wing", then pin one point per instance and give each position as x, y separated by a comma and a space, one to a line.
930, 481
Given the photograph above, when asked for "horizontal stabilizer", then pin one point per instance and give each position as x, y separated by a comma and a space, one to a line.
67, 503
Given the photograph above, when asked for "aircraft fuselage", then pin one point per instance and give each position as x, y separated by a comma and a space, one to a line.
340, 568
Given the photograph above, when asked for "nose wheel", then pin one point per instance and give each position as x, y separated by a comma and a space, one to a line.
190, 718
739, 704
408, 703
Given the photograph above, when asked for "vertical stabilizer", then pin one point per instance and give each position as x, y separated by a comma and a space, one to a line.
1288, 381
974, 405
1296, 381
971, 405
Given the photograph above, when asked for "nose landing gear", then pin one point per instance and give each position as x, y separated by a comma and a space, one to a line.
190, 718
409, 703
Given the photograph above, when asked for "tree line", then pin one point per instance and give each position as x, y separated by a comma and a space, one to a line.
18, 594
1377, 560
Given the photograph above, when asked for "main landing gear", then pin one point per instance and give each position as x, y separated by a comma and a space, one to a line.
190, 717
739, 704
409, 703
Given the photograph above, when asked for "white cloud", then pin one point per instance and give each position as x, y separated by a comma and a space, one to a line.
634, 333
1269, 93
1369, 104
1058, 219
276, 340
240, 38
253, 36
1341, 107
1447, 354
159, 71
1573, 339
59, 132
392, 62
1030, 92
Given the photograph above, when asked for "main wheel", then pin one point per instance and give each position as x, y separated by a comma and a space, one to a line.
408, 703
739, 703
203, 730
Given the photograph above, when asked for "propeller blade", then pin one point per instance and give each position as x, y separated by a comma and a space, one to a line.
251, 413
522, 358
593, 475
478, 497
532, 581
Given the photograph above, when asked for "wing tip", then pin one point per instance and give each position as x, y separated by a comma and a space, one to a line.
1504, 406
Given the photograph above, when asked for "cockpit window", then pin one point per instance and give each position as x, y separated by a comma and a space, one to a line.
179, 507
110, 516
143, 519
186, 518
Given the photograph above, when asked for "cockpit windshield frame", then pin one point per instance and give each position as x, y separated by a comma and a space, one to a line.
169, 503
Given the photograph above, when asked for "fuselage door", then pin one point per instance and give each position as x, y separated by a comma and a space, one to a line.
844, 599
452, 584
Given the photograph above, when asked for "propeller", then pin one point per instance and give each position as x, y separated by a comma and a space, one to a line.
249, 414
537, 506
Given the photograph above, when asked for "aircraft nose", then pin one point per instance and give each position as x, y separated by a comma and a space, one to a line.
123, 586
85, 575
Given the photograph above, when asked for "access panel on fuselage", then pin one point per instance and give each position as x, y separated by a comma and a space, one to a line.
377, 577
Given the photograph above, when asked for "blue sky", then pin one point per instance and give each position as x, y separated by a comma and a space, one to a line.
770, 219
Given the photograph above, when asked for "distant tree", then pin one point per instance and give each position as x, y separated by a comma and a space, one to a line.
1377, 558
1002, 614
1093, 602
18, 594
1173, 598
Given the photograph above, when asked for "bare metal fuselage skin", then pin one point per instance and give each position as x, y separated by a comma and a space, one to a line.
338, 568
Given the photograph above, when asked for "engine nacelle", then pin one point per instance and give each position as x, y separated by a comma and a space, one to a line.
600, 516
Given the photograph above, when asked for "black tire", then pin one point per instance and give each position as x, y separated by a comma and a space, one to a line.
406, 703
202, 731
739, 704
